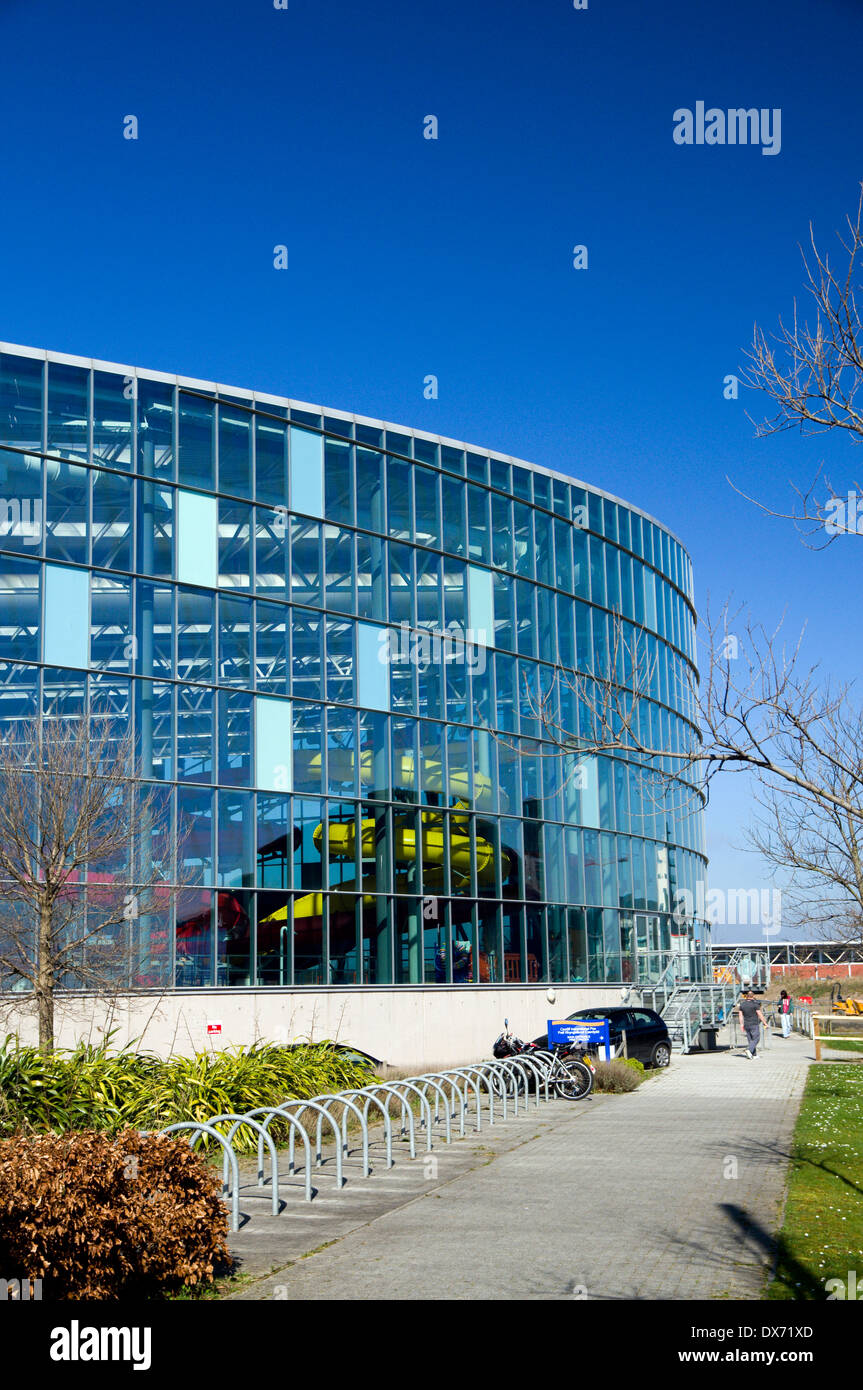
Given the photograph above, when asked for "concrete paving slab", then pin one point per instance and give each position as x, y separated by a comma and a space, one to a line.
672, 1191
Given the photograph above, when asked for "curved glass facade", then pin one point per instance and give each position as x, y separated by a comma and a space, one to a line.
331, 634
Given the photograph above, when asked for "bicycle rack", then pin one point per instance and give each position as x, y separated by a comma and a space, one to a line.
504, 1080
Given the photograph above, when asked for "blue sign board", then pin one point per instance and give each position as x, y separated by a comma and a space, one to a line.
593, 1032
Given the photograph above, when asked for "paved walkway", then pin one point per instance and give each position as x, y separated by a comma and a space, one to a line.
672, 1191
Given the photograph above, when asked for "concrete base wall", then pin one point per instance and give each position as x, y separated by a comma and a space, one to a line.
416, 1029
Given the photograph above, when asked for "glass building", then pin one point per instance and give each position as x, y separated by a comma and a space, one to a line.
332, 635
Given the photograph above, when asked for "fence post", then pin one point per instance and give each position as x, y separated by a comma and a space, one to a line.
816, 1033
623, 1047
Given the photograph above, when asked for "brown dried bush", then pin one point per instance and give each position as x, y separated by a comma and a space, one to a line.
99, 1217
615, 1076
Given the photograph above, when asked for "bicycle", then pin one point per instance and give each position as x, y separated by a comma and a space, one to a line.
568, 1067
571, 1076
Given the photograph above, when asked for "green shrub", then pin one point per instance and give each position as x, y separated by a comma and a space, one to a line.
633, 1062
92, 1088
615, 1076
98, 1217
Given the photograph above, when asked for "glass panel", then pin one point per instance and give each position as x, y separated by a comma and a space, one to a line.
21, 516
156, 530
399, 499
339, 557
235, 739
523, 540
479, 546
307, 472
197, 539
373, 670
235, 551
272, 647
19, 611
425, 450
273, 744
67, 513
155, 428
271, 552
308, 768
68, 411
501, 532
113, 398
477, 468
274, 843
342, 769
112, 521
233, 938
195, 635
235, 641
195, 749
196, 437
110, 623
427, 507
337, 463
307, 672
455, 594
274, 945
67, 617
402, 586
195, 819
196, 923
481, 605
154, 728
340, 661
236, 835
235, 450
370, 490
371, 577
270, 454
21, 401
577, 945
307, 577
154, 631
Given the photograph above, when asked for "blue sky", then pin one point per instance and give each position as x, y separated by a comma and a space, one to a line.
409, 256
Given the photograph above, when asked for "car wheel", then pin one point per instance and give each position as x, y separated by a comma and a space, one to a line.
661, 1055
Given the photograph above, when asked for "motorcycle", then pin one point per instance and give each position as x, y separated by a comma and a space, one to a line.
508, 1045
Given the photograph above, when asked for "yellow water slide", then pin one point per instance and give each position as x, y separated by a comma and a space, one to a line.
435, 828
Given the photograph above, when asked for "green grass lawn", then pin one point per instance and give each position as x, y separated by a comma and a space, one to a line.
844, 1044
822, 1234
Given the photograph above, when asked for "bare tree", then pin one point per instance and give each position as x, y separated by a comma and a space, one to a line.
758, 707
811, 369
818, 849
85, 863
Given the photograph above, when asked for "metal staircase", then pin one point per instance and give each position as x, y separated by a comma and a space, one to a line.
692, 1011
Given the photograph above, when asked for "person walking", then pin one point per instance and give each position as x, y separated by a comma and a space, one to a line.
751, 1018
786, 1010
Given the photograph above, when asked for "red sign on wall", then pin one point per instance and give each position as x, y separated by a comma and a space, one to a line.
213, 1028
